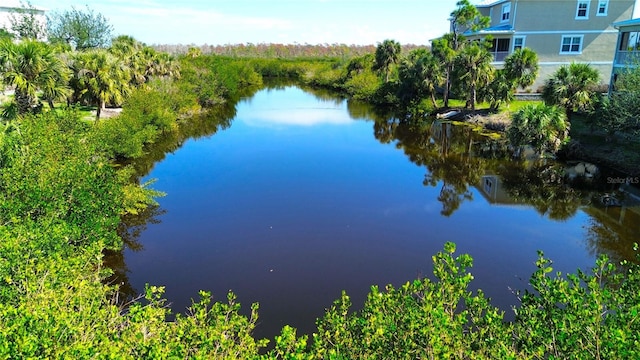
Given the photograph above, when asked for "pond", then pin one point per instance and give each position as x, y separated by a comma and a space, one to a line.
300, 195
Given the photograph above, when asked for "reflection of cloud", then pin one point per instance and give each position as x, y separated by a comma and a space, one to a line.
297, 117
432, 207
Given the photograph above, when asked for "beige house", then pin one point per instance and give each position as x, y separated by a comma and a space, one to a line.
559, 31
8, 9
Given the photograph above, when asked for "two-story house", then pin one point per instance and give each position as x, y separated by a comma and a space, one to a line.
10, 8
559, 31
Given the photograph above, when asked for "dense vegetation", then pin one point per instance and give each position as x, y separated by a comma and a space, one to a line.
62, 198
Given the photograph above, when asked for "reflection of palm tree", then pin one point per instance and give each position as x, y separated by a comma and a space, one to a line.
542, 185
457, 172
451, 198
384, 131
446, 152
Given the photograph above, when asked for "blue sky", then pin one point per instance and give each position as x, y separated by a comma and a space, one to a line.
270, 21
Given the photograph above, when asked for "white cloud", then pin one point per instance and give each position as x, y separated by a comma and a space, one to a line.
194, 17
265, 21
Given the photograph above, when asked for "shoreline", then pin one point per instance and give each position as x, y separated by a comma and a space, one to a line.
607, 155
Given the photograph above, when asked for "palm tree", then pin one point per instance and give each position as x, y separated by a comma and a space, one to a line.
101, 78
124, 45
541, 126
521, 67
31, 66
387, 54
466, 17
572, 87
520, 70
194, 52
432, 75
143, 61
129, 50
498, 91
445, 54
474, 64
420, 75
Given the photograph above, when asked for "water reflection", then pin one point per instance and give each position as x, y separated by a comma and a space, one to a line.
293, 211
611, 229
130, 228
457, 159
542, 185
448, 158
304, 116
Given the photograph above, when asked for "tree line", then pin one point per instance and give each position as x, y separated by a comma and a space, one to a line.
80, 63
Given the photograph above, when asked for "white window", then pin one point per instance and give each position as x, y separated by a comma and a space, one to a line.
571, 44
518, 42
603, 8
506, 12
629, 41
582, 12
488, 185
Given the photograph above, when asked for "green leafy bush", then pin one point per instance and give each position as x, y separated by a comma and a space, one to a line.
542, 126
421, 319
59, 177
362, 86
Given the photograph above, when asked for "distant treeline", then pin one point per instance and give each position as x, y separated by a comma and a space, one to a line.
276, 50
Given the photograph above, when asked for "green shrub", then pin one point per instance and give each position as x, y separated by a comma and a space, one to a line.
125, 136
362, 86
421, 319
584, 315
59, 176
542, 126
618, 112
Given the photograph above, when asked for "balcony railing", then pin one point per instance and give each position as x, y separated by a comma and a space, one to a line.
627, 57
499, 56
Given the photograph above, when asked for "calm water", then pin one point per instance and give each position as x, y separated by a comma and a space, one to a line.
300, 196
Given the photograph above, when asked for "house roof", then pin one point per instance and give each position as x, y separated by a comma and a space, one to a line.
631, 22
499, 29
16, 4
488, 3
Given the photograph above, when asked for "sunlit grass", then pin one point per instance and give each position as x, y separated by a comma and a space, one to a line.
511, 107
518, 104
